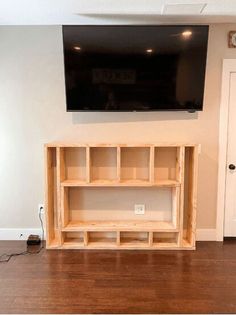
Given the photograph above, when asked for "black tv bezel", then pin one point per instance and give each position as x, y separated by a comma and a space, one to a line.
190, 110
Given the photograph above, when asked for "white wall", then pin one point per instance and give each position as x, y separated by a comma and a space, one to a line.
32, 112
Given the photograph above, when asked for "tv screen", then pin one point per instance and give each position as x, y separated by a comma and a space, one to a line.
135, 68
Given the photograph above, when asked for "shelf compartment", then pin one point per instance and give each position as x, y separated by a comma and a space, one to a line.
116, 204
73, 164
103, 165
102, 239
165, 163
165, 239
119, 226
134, 239
135, 164
73, 239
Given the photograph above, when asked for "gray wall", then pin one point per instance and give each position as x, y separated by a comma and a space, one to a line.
32, 112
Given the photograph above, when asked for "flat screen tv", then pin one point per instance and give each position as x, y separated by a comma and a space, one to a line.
135, 68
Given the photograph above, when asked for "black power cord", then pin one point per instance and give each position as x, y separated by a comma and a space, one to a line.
7, 257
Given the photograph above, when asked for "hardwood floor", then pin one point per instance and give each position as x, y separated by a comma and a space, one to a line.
201, 281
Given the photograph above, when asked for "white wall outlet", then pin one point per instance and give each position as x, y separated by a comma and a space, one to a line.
21, 236
41, 208
139, 209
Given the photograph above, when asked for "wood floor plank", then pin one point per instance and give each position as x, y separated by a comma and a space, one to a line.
100, 281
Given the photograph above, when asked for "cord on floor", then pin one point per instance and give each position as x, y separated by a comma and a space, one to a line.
7, 257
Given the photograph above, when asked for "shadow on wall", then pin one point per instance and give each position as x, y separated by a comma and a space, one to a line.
125, 18
108, 117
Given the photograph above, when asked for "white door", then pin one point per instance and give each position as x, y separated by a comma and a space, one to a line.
230, 193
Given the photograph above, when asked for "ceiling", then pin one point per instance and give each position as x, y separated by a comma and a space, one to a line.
56, 12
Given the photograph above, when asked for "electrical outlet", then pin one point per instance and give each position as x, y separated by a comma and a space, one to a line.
41, 208
139, 209
22, 236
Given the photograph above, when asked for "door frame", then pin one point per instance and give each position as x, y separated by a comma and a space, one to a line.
229, 66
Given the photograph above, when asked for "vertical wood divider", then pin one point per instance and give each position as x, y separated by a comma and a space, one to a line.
62, 239
175, 206
64, 212
151, 164
118, 238
58, 157
180, 166
193, 193
64, 206
48, 192
118, 164
86, 236
62, 164
150, 238
88, 165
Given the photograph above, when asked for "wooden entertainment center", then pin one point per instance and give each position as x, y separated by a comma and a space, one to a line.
92, 189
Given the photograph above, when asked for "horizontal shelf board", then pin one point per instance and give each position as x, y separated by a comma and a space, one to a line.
165, 244
123, 183
73, 182
124, 247
126, 226
114, 145
135, 182
158, 183
134, 244
72, 245
103, 182
167, 183
101, 245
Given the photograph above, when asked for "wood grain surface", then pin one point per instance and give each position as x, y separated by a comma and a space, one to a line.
103, 281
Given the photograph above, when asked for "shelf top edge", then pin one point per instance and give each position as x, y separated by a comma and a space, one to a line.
122, 145
104, 183
123, 226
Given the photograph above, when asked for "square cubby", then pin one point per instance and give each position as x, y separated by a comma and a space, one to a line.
135, 164
165, 163
71, 239
165, 239
134, 238
73, 161
103, 164
102, 238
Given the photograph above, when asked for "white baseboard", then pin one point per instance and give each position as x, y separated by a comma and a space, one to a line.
17, 234
22, 234
206, 235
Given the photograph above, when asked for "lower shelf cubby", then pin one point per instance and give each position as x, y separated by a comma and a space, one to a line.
102, 239
134, 239
73, 239
165, 239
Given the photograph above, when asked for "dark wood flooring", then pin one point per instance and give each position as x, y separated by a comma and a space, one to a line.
201, 281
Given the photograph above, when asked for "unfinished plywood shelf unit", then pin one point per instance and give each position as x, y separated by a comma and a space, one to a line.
91, 191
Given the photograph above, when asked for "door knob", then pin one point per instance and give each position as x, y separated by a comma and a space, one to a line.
232, 167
